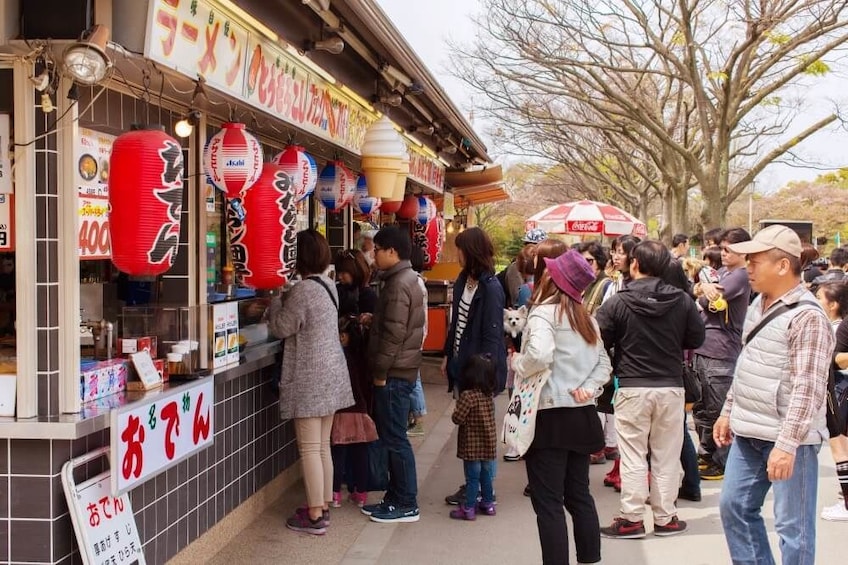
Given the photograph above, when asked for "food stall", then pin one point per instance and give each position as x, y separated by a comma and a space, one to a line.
169, 373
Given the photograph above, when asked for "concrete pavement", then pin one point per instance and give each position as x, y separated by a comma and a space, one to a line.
509, 537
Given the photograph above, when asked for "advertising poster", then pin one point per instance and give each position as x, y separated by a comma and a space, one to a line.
91, 176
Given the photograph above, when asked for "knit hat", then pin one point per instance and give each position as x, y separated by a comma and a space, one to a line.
571, 273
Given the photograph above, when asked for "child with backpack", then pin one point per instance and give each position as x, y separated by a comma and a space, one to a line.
476, 444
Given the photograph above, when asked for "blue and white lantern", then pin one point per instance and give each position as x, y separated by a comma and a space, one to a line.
336, 186
362, 202
426, 210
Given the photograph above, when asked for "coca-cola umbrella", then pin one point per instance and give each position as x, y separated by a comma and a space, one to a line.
586, 217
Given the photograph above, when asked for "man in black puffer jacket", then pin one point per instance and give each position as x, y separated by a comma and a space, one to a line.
647, 325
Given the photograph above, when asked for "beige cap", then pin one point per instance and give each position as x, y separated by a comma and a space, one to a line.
773, 237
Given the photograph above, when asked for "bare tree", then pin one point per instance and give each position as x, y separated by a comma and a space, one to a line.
683, 93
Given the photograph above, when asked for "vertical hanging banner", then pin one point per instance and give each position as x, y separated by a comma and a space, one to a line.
151, 436
91, 176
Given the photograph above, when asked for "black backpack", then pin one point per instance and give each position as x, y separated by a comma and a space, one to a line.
501, 276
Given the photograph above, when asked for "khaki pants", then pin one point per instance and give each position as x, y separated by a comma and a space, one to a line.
649, 420
313, 443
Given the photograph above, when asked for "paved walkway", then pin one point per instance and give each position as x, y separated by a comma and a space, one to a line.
510, 537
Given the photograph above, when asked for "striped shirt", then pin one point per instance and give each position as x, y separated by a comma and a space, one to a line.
462, 315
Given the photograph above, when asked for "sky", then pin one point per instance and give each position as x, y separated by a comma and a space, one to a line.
427, 27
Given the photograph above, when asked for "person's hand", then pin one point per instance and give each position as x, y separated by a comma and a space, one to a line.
582, 394
780, 465
722, 436
444, 367
712, 291
366, 318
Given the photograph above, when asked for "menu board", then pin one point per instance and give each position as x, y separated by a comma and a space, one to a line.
91, 176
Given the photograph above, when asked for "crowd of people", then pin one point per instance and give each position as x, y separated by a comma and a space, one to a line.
749, 335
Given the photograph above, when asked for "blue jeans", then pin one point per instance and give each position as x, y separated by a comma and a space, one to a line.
745, 486
478, 478
419, 404
689, 461
391, 413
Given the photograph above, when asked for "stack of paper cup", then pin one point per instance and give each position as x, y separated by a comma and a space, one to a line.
383, 150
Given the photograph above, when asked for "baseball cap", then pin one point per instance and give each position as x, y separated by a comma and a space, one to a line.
536, 235
776, 236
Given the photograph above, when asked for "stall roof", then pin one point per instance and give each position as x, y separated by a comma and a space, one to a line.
480, 186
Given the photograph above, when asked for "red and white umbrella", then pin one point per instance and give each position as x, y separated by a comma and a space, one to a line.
587, 217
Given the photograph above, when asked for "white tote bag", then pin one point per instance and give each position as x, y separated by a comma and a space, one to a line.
519, 425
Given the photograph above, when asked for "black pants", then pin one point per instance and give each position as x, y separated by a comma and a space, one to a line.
350, 466
716, 376
558, 476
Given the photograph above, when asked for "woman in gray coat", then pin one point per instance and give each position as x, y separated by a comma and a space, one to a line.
315, 381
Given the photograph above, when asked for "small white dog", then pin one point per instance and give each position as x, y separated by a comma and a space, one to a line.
514, 320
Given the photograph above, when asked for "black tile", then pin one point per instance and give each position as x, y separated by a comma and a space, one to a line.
4, 539
43, 394
52, 218
52, 168
43, 354
193, 520
4, 498
61, 453
41, 220
30, 457
30, 497
63, 535
172, 537
40, 176
41, 306
4, 456
59, 502
182, 501
53, 301
30, 540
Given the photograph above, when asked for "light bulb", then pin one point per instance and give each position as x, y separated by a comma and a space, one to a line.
450, 226
183, 128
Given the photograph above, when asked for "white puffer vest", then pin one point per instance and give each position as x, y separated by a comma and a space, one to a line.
762, 386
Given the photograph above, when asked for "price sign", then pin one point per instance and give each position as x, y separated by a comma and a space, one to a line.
7, 222
104, 524
155, 434
93, 150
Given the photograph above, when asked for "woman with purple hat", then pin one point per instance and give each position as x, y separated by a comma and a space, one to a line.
561, 335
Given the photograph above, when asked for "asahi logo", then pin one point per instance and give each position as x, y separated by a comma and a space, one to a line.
584, 226
167, 241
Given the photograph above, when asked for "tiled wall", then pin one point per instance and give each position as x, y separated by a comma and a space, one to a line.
252, 446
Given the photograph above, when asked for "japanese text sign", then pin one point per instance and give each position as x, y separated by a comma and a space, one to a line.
154, 434
92, 179
104, 524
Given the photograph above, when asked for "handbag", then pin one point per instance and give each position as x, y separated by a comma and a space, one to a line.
352, 427
519, 426
691, 384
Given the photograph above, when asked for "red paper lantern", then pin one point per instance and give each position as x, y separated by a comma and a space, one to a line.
233, 159
390, 206
430, 238
409, 208
145, 201
264, 243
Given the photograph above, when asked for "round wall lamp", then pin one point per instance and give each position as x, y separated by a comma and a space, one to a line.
185, 127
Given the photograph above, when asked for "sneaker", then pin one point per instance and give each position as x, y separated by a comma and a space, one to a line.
463, 513
369, 509
624, 529
300, 522
835, 513
704, 462
611, 453
456, 498
304, 511
672, 528
337, 500
685, 495
487, 508
393, 514
359, 498
511, 457
417, 430
712, 473
597, 458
